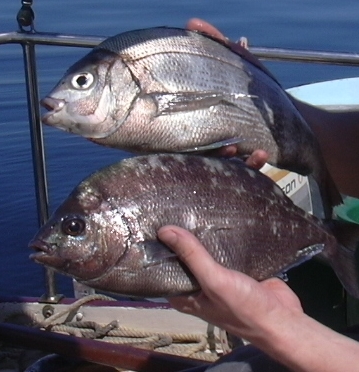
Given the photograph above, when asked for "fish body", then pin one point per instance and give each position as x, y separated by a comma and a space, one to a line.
174, 90
105, 232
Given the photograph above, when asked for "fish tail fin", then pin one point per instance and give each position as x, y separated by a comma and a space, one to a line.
345, 261
333, 193
329, 193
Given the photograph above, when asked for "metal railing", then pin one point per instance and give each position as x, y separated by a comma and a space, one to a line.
269, 54
28, 38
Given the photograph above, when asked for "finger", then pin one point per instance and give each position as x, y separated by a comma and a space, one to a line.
197, 24
190, 250
226, 151
257, 159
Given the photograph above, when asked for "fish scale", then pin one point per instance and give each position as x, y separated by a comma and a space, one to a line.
173, 90
105, 233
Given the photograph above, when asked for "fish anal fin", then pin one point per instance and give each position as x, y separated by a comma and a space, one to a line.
333, 192
345, 259
329, 193
302, 256
346, 267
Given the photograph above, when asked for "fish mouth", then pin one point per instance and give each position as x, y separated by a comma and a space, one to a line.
52, 105
45, 254
41, 249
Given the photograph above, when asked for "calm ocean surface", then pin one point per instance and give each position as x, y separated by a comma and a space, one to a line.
302, 24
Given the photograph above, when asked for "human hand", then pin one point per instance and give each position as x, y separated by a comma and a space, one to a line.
256, 160
196, 24
229, 299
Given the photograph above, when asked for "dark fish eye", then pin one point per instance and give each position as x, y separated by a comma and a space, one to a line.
82, 80
73, 226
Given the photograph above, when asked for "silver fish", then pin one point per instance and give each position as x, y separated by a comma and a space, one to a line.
173, 90
105, 232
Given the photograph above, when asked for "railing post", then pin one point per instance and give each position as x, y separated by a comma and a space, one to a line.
25, 19
38, 156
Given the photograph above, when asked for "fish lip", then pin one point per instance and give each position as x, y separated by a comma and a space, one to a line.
52, 105
41, 249
46, 254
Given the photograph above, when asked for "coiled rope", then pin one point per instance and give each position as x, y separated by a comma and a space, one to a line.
198, 346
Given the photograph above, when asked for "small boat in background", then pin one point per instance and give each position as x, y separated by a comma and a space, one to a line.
335, 95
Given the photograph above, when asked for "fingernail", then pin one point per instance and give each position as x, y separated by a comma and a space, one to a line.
168, 236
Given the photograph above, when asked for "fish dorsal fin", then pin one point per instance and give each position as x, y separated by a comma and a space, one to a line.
155, 252
302, 256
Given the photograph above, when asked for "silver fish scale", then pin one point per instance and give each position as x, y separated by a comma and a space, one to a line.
182, 78
188, 129
238, 114
194, 58
175, 60
142, 43
190, 73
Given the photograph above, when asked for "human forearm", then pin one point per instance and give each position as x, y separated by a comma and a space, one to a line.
303, 344
268, 313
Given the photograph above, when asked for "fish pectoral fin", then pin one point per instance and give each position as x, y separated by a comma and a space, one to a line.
155, 252
172, 103
215, 145
302, 256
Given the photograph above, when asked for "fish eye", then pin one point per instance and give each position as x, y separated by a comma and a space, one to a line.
82, 81
73, 226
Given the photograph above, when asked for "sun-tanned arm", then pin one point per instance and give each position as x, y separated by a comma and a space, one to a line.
268, 313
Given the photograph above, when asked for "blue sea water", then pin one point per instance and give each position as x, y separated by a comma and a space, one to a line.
302, 24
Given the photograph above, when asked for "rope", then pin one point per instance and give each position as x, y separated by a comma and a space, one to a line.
188, 345
74, 307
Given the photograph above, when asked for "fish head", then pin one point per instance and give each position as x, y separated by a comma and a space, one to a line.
94, 96
84, 238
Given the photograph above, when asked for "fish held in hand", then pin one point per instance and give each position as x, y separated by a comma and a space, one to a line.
174, 90
105, 232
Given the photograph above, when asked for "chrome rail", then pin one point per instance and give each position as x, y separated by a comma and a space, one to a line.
38, 155
269, 54
29, 39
